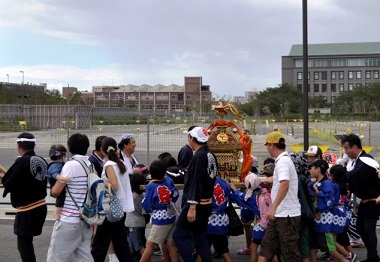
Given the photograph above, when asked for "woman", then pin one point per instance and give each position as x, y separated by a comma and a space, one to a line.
127, 146
114, 173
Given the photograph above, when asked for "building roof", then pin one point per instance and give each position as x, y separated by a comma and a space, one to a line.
367, 48
142, 88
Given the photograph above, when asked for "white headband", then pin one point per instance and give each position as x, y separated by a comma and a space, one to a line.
26, 140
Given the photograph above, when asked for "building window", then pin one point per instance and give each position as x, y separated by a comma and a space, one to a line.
341, 74
341, 87
376, 74
350, 87
333, 87
333, 75
299, 75
368, 74
187, 97
316, 75
358, 84
324, 87
324, 75
316, 88
350, 75
358, 74
308, 75
147, 106
161, 106
162, 97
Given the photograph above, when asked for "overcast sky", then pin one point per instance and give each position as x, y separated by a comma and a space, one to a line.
235, 45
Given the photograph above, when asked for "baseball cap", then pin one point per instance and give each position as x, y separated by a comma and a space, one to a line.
274, 138
322, 164
313, 151
199, 133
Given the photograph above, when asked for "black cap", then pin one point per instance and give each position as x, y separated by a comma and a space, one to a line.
322, 164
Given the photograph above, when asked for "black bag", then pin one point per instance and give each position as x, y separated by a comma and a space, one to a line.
235, 226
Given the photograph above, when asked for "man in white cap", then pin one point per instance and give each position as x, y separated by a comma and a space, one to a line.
285, 212
197, 203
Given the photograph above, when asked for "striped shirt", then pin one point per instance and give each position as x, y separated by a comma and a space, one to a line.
284, 170
77, 186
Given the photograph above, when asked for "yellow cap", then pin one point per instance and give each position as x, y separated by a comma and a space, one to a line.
273, 138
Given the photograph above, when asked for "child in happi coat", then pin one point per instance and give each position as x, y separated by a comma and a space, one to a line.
158, 194
341, 211
264, 203
57, 154
248, 216
323, 189
217, 229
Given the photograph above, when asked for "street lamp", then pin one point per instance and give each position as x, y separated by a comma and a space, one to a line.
22, 72
8, 78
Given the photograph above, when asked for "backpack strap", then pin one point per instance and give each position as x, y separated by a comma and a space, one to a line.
87, 170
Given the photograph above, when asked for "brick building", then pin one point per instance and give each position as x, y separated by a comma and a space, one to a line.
193, 96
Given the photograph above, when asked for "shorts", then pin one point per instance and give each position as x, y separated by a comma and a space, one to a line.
258, 234
220, 243
247, 216
323, 241
160, 233
282, 231
136, 238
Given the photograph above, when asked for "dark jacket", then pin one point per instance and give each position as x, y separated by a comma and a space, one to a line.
26, 180
363, 180
97, 162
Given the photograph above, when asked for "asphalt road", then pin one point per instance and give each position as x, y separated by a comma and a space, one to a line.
9, 253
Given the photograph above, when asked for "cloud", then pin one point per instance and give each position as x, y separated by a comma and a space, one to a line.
235, 45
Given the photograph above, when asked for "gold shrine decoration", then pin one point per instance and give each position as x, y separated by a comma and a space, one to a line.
223, 107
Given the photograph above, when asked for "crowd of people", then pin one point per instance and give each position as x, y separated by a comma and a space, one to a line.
291, 208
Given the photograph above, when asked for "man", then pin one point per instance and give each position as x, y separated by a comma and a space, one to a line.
314, 152
185, 154
284, 215
26, 182
71, 236
96, 157
365, 184
197, 192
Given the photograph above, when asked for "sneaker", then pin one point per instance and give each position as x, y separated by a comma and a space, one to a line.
324, 256
357, 243
352, 257
244, 251
156, 251
112, 258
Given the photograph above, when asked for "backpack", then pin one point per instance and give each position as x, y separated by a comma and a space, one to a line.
97, 203
306, 200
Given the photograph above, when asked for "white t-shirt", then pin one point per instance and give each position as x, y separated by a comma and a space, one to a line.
77, 186
124, 191
284, 170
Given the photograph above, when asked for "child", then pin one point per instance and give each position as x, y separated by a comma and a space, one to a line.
264, 203
135, 220
342, 211
322, 188
248, 216
158, 194
57, 154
